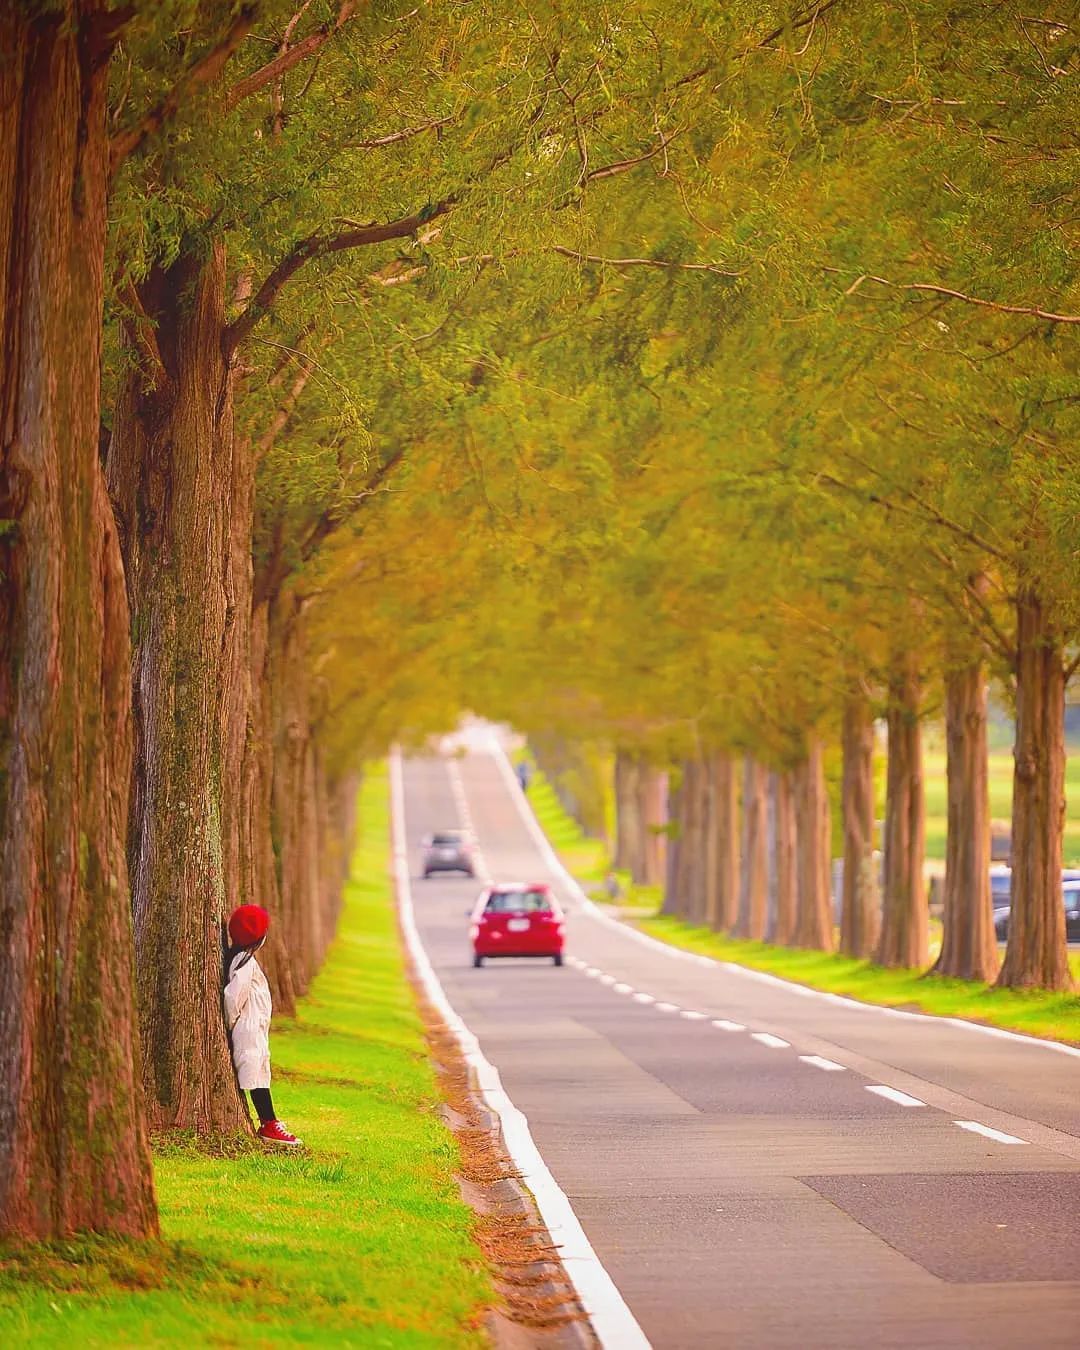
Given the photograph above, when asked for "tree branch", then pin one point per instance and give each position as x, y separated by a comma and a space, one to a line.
290, 57
322, 246
126, 142
642, 262
929, 288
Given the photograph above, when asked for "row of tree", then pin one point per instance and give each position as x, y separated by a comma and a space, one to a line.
673, 375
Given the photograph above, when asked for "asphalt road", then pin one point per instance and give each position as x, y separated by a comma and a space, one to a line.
722, 1142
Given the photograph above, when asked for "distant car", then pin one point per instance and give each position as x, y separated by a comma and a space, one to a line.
523, 919
1070, 894
449, 851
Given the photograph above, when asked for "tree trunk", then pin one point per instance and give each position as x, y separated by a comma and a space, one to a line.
754, 883
653, 812
725, 790
1036, 955
785, 866
969, 947
174, 479
627, 824
904, 938
859, 916
813, 909
694, 846
673, 897
73, 1146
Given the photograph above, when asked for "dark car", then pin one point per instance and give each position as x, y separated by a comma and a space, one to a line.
522, 919
1070, 894
449, 851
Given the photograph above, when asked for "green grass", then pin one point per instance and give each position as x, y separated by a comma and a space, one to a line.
1056, 1016
361, 1241
586, 858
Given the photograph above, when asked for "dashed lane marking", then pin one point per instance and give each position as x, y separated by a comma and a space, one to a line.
773, 1042
607, 979
989, 1132
692, 1016
819, 1062
666, 1007
592, 972
722, 1024
644, 998
893, 1094
622, 988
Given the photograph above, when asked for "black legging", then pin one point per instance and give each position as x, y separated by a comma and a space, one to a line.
264, 1107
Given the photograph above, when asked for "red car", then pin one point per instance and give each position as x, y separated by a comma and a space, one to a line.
522, 919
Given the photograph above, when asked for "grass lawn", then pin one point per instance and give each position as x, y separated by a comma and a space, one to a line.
1056, 1016
362, 1241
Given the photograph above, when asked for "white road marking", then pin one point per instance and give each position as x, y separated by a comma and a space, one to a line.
724, 1025
622, 988
666, 1007
675, 953
575, 961
592, 972
607, 979
894, 1095
990, 1133
614, 1324
821, 1063
644, 998
692, 1016
773, 1042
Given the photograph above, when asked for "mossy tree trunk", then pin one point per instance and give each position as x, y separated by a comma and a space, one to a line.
861, 902
174, 480
813, 910
905, 919
73, 1145
1036, 955
969, 944
754, 881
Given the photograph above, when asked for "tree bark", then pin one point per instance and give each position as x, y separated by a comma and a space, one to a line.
813, 917
969, 946
754, 882
904, 938
673, 897
73, 1145
860, 912
694, 850
785, 865
725, 789
175, 482
1036, 955
653, 811
627, 823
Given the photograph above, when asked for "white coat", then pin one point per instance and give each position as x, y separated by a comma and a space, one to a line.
247, 1015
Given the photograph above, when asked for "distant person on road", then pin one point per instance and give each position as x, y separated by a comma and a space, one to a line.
524, 774
247, 1017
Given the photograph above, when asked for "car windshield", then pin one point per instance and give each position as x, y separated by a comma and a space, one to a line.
516, 902
445, 840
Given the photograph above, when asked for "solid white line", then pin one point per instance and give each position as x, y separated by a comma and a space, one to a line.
692, 1016
819, 1062
666, 1007
622, 988
644, 998
677, 954
999, 1135
724, 1025
894, 1095
773, 1042
613, 1322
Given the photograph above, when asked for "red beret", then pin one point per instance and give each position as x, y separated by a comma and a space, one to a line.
248, 925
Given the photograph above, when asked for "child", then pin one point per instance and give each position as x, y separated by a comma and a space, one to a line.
247, 1017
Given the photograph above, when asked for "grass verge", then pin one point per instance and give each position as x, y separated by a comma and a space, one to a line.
1055, 1016
363, 1240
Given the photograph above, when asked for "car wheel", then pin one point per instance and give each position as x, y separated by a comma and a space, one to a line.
477, 960
557, 960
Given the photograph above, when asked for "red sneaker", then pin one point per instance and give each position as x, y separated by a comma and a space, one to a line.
274, 1132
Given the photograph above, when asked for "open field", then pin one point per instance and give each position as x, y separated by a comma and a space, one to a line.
362, 1240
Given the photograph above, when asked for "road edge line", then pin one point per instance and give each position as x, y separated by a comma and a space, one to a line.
558, 866
613, 1323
